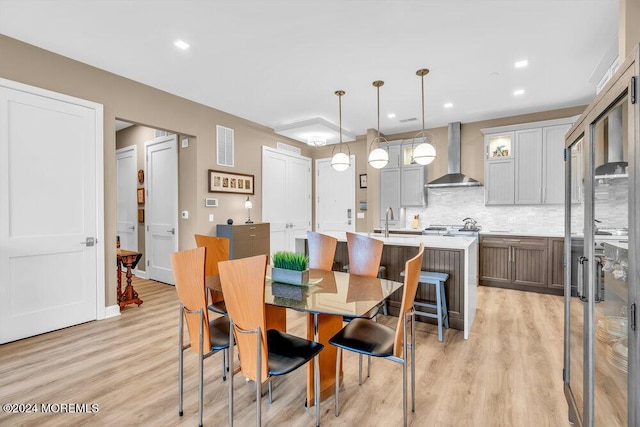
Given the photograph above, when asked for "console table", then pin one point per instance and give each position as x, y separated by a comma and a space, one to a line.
128, 259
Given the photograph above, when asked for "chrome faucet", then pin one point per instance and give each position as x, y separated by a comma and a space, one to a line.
386, 221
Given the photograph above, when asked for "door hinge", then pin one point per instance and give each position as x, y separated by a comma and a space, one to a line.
633, 89
147, 263
632, 316
565, 154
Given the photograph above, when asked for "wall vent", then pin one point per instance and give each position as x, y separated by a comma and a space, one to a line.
225, 145
288, 148
412, 119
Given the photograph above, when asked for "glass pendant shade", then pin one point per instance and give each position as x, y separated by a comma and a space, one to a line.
378, 158
424, 154
340, 162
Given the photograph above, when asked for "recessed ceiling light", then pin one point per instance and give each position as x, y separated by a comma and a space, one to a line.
391, 115
518, 92
521, 64
448, 105
181, 44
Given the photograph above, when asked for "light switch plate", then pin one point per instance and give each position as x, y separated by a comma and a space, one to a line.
210, 217
185, 143
360, 215
185, 214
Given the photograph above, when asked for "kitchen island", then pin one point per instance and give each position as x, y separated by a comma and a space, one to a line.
457, 256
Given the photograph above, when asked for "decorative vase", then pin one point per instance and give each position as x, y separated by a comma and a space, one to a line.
291, 277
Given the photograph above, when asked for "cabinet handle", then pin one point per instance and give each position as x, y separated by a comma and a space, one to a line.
511, 240
252, 235
510, 253
252, 228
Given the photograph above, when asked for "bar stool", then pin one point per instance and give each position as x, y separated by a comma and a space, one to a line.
442, 314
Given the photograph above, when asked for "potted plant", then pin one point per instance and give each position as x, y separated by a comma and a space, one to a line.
290, 267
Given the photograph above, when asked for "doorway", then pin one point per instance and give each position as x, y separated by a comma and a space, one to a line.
155, 189
335, 210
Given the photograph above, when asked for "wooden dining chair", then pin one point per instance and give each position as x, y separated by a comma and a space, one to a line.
365, 254
322, 250
263, 353
205, 337
370, 338
217, 250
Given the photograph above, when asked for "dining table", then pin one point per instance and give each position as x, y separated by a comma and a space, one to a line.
326, 298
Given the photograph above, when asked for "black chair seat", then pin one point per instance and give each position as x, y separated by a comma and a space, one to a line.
218, 307
219, 331
366, 337
288, 352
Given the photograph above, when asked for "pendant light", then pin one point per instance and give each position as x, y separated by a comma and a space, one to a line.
424, 153
379, 157
340, 161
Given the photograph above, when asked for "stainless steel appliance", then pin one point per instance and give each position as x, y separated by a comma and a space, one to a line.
452, 230
602, 186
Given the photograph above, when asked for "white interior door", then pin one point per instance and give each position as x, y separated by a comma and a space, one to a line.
161, 206
286, 197
335, 197
51, 212
126, 199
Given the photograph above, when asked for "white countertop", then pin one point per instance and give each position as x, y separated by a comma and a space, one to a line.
440, 242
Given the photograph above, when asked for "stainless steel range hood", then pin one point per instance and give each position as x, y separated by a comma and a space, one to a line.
453, 178
614, 163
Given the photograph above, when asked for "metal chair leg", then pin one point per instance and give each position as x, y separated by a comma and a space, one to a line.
201, 370
316, 387
180, 362
413, 363
224, 364
404, 371
230, 403
338, 353
270, 393
359, 369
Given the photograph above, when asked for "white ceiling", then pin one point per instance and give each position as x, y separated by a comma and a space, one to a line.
280, 62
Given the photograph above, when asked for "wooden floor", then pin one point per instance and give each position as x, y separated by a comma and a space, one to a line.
509, 372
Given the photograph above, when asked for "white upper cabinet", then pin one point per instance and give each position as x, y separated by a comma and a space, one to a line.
524, 164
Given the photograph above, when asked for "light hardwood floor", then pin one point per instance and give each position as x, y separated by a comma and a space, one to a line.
509, 372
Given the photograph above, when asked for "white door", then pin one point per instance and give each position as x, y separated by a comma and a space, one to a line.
161, 206
335, 197
51, 214
286, 197
126, 199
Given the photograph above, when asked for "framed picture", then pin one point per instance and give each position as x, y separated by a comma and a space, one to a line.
141, 215
363, 180
141, 196
227, 182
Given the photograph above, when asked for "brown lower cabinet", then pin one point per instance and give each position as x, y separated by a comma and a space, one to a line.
522, 262
246, 240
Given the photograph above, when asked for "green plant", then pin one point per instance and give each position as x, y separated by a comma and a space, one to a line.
290, 261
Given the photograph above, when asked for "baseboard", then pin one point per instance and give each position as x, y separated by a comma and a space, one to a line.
140, 274
112, 311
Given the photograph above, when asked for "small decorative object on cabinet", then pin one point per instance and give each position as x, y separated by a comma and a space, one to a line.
290, 267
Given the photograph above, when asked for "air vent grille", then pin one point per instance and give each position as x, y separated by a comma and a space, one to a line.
289, 148
412, 119
225, 145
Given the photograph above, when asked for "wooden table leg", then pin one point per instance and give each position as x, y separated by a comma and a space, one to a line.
328, 326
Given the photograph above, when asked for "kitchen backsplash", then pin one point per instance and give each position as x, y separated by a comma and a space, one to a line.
452, 205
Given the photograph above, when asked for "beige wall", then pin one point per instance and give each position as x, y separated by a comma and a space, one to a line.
137, 103
629, 27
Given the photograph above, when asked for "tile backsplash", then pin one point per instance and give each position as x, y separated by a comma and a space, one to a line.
452, 205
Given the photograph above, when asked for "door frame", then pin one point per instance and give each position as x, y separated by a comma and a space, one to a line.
98, 167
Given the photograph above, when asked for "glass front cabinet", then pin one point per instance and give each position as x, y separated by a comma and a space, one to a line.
602, 213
